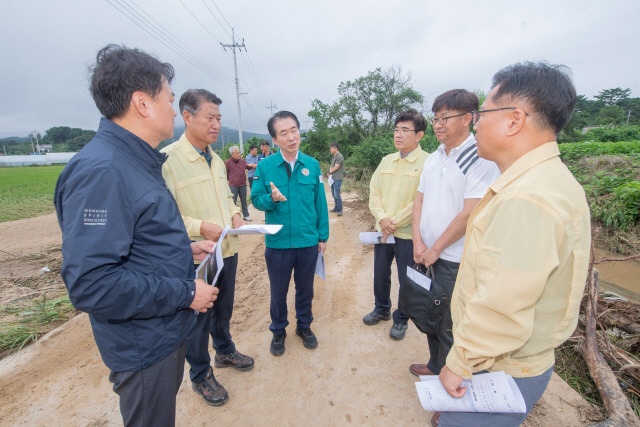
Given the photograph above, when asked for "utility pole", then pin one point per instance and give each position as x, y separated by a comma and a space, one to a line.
271, 108
628, 116
233, 47
32, 147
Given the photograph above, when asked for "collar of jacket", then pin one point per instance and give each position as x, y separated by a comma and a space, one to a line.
534, 157
412, 157
190, 151
135, 145
302, 158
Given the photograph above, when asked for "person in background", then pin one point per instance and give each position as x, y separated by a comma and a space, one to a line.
127, 259
392, 190
196, 177
265, 149
336, 171
237, 177
290, 189
526, 253
452, 182
252, 159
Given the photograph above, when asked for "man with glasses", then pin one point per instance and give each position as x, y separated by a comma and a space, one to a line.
526, 255
197, 178
452, 182
392, 191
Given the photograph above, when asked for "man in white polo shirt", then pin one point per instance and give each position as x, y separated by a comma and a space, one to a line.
453, 181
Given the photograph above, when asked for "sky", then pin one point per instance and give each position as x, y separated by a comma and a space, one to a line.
298, 51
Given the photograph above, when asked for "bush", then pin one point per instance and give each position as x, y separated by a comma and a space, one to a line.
609, 173
370, 152
572, 152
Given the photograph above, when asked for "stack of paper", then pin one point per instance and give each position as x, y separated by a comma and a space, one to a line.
374, 238
490, 392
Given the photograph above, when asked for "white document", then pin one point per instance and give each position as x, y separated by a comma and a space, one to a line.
490, 392
374, 238
419, 278
330, 180
210, 267
255, 229
320, 266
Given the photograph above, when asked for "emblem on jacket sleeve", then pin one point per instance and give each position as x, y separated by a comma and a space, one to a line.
321, 179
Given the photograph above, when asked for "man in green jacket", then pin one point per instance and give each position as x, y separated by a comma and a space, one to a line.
289, 187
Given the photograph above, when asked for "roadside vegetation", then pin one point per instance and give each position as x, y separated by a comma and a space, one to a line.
32, 304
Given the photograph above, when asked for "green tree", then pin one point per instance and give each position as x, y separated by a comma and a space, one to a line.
613, 96
366, 108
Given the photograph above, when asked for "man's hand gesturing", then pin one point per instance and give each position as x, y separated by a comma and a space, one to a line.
276, 195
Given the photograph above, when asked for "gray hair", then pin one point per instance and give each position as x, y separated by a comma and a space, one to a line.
233, 149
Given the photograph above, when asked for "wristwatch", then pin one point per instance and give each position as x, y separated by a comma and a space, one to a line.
322, 240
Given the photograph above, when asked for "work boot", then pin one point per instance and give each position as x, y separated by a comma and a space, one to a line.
235, 359
211, 390
398, 330
309, 340
374, 317
277, 344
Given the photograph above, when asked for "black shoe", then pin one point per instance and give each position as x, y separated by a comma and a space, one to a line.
277, 344
211, 390
398, 330
333, 210
235, 359
374, 317
308, 339
339, 213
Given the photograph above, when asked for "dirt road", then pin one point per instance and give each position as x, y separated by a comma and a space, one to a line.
357, 375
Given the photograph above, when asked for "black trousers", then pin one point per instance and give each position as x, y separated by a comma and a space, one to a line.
445, 273
280, 264
383, 254
214, 322
148, 396
242, 192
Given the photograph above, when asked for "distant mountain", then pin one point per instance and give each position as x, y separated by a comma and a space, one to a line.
26, 138
230, 137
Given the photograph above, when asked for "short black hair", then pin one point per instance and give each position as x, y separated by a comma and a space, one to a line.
252, 147
190, 100
547, 88
119, 72
456, 100
419, 122
265, 142
334, 144
280, 115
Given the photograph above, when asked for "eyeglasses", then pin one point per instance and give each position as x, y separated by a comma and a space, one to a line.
476, 114
403, 131
443, 120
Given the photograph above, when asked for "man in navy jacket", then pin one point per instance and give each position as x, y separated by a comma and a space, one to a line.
128, 260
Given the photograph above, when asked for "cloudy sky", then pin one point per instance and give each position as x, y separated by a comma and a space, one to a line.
298, 51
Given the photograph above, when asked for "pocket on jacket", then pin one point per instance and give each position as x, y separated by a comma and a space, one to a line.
191, 181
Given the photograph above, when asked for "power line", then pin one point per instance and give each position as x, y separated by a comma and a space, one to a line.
255, 79
225, 19
167, 43
199, 22
216, 18
195, 56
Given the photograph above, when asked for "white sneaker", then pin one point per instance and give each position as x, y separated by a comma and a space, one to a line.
247, 218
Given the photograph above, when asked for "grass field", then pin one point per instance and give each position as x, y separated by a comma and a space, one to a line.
26, 192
